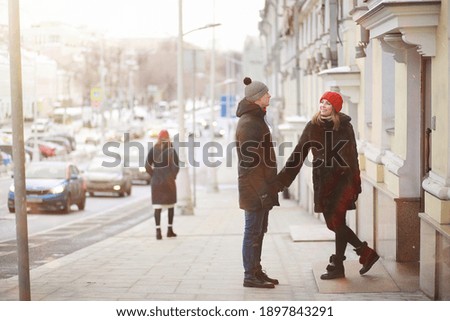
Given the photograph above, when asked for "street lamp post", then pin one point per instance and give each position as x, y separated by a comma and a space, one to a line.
212, 181
184, 188
194, 88
184, 195
15, 59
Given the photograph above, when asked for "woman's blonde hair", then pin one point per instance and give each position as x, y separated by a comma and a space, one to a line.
318, 120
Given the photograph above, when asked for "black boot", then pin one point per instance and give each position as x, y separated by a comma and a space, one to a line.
158, 234
264, 277
367, 257
255, 282
335, 269
170, 232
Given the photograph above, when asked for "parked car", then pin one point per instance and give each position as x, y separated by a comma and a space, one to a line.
52, 186
113, 135
6, 136
41, 125
110, 179
140, 113
59, 140
70, 138
46, 148
7, 149
92, 137
136, 130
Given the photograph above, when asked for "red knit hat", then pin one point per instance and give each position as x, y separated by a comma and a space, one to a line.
334, 98
163, 135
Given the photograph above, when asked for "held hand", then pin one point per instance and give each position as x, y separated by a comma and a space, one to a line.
276, 185
280, 187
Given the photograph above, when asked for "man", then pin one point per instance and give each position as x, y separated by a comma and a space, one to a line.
257, 167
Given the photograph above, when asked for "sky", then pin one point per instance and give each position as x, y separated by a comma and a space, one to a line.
154, 18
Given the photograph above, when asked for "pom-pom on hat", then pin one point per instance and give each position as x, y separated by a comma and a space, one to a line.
254, 89
334, 98
163, 135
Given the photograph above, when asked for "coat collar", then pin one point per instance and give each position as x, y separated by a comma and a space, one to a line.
248, 107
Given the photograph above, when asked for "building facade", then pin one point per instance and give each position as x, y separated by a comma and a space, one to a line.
390, 61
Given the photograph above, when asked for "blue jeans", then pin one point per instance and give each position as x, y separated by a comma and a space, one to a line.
256, 223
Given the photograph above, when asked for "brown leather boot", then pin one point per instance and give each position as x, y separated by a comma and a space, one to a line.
170, 232
367, 257
158, 234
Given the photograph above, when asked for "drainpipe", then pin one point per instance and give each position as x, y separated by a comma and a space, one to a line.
273, 52
333, 32
297, 8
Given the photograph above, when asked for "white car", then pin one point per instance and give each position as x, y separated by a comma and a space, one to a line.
41, 125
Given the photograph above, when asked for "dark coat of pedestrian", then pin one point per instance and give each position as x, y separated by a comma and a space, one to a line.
336, 177
257, 165
256, 169
163, 165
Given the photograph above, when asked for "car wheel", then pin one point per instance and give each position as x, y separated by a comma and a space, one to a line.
66, 209
81, 205
91, 193
11, 209
129, 191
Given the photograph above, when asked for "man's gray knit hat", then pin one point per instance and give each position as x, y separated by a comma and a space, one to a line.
254, 89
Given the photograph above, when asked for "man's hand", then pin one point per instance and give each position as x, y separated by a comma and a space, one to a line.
276, 185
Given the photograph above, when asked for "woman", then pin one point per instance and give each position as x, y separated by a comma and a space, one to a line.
336, 178
162, 165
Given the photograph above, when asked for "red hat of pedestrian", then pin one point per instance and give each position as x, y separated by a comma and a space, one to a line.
163, 135
334, 98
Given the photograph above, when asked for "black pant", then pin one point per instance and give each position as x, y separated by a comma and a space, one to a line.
335, 220
158, 216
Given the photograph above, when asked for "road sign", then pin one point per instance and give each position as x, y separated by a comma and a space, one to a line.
227, 106
96, 96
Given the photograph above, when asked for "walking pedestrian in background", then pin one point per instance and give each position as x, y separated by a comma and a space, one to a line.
336, 178
162, 165
257, 167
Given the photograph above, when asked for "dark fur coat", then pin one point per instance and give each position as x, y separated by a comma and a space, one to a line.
336, 175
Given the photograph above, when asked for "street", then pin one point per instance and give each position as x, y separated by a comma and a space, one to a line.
45, 221
52, 236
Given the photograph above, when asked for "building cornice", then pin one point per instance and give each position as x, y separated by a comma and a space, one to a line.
392, 162
437, 186
415, 20
371, 152
348, 80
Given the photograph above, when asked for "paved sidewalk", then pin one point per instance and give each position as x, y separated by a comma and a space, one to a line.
203, 263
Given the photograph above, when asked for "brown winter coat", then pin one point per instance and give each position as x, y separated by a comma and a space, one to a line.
162, 165
336, 175
256, 156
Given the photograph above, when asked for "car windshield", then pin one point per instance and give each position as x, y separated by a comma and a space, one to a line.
46, 171
98, 167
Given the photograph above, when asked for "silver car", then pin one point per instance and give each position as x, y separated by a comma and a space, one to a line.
135, 162
102, 177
